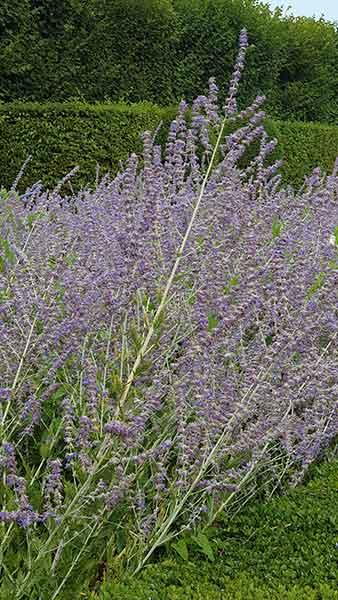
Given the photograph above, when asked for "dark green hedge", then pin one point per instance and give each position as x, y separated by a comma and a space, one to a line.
161, 50
304, 146
61, 136
282, 549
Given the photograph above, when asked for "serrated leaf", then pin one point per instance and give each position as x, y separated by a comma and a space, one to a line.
31, 218
317, 285
335, 233
60, 392
9, 254
71, 259
233, 281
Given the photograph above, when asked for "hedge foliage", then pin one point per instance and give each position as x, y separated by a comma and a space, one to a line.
303, 147
282, 549
240, 588
161, 50
61, 136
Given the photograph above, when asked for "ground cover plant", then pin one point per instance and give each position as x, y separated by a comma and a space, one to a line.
168, 347
281, 548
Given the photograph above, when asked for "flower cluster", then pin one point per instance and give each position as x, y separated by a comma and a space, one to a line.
146, 411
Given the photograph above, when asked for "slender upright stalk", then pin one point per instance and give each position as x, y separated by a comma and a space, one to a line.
168, 286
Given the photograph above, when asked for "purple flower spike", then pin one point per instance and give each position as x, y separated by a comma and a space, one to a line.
243, 39
119, 429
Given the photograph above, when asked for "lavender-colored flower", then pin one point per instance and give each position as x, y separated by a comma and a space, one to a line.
243, 39
23, 518
230, 107
5, 394
53, 487
8, 460
31, 412
119, 429
68, 422
84, 432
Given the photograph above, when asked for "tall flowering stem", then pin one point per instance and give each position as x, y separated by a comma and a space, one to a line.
180, 254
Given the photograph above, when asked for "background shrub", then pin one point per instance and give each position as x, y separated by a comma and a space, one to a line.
93, 50
162, 50
208, 34
305, 146
61, 136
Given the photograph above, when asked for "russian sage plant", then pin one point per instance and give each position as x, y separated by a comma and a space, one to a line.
168, 341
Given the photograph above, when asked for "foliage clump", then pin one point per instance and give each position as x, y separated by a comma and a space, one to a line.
163, 50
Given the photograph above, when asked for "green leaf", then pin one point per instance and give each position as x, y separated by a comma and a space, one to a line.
31, 218
317, 285
212, 321
204, 545
277, 228
9, 254
4, 295
69, 491
39, 326
182, 549
192, 298
335, 233
52, 261
60, 393
71, 259
4, 194
233, 281
44, 450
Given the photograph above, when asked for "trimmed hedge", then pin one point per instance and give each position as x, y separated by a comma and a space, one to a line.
240, 588
61, 136
283, 549
161, 50
305, 146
